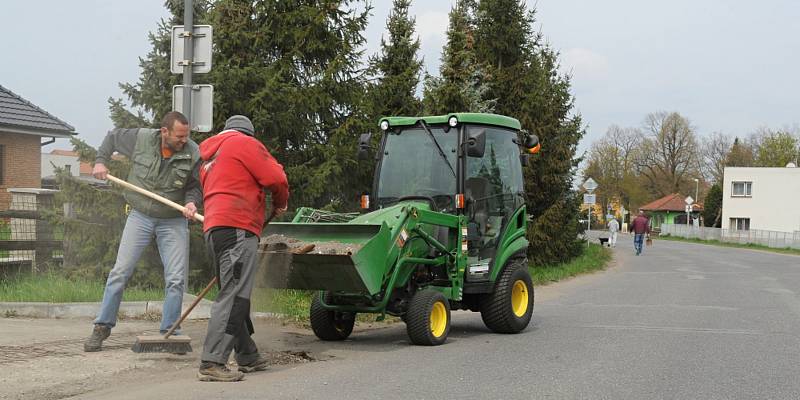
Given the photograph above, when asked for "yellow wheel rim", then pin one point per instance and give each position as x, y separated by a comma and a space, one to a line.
519, 298
438, 319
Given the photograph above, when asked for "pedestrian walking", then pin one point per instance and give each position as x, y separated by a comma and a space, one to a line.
613, 230
640, 227
161, 162
234, 172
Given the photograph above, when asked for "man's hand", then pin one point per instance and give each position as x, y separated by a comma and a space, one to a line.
100, 171
189, 210
279, 211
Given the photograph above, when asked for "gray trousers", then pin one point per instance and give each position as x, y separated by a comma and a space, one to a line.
234, 252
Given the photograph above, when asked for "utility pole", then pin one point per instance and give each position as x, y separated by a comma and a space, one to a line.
188, 57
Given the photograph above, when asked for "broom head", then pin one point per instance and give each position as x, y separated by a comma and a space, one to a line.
178, 344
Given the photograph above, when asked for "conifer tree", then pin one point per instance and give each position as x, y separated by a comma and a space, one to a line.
294, 68
712, 206
461, 86
524, 79
397, 66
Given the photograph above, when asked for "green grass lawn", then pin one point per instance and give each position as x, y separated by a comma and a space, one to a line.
594, 258
55, 289
785, 250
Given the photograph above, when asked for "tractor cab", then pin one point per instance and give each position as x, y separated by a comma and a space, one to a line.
465, 164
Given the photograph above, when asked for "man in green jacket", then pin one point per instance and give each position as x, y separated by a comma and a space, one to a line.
161, 161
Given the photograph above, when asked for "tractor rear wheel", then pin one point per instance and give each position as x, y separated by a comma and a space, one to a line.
510, 307
330, 325
428, 318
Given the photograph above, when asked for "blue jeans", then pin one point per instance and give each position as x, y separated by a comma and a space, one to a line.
637, 242
172, 238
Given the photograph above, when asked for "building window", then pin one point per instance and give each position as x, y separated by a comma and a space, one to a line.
2, 164
68, 168
742, 189
740, 224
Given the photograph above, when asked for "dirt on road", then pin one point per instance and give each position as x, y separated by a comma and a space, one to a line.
44, 358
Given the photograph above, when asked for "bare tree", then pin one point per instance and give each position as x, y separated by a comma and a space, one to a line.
610, 162
714, 153
667, 158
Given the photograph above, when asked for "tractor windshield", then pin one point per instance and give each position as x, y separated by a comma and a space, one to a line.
412, 165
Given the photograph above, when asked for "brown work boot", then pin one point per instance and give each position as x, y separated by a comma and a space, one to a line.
95, 342
214, 372
260, 364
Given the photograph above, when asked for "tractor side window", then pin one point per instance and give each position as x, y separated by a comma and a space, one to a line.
494, 184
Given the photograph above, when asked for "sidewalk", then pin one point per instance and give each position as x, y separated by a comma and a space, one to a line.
44, 358
129, 309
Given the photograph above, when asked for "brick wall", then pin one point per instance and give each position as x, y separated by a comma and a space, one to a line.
21, 164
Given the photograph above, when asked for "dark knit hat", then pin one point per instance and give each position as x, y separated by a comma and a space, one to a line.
240, 123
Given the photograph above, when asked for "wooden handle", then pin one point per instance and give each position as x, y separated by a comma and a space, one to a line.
151, 195
191, 307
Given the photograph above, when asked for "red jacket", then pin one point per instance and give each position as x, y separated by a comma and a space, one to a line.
235, 170
640, 225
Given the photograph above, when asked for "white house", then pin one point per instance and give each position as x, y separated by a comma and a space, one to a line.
761, 198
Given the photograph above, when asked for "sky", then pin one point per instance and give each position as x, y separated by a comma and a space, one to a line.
729, 66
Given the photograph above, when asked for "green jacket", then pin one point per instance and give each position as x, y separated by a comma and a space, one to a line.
165, 177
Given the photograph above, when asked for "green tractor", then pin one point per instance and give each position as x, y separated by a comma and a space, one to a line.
445, 230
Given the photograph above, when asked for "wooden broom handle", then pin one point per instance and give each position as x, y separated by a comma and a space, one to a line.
151, 195
191, 307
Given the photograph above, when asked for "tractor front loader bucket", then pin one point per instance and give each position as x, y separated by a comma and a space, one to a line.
324, 256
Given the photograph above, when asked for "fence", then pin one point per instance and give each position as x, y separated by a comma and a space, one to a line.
754, 236
27, 241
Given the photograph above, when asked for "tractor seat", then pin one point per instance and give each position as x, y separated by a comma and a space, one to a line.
477, 190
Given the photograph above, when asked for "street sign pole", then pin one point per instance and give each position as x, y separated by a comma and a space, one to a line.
689, 201
188, 57
590, 185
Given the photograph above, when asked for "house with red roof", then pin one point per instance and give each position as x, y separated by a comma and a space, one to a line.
670, 209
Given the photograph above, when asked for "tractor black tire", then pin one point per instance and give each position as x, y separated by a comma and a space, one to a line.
510, 307
428, 318
330, 325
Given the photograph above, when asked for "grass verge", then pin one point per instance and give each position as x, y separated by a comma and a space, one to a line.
594, 258
56, 289
294, 304
751, 246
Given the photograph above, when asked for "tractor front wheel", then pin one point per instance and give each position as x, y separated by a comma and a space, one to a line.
510, 307
330, 325
428, 318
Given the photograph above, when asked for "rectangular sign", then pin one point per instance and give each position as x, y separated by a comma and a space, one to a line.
201, 38
589, 198
202, 106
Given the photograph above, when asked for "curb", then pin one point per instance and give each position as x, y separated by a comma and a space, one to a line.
90, 310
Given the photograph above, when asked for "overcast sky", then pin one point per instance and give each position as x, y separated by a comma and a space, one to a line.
729, 66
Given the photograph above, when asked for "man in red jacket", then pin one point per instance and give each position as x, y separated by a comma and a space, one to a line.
640, 227
234, 170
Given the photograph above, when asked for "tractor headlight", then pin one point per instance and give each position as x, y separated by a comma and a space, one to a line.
452, 121
384, 125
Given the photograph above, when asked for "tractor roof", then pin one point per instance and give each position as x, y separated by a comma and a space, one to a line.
472, 118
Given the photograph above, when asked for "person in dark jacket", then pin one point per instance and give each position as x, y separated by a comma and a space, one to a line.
234, 171
162, 160
640, 227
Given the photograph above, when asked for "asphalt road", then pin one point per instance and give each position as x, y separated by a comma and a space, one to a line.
682, 321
